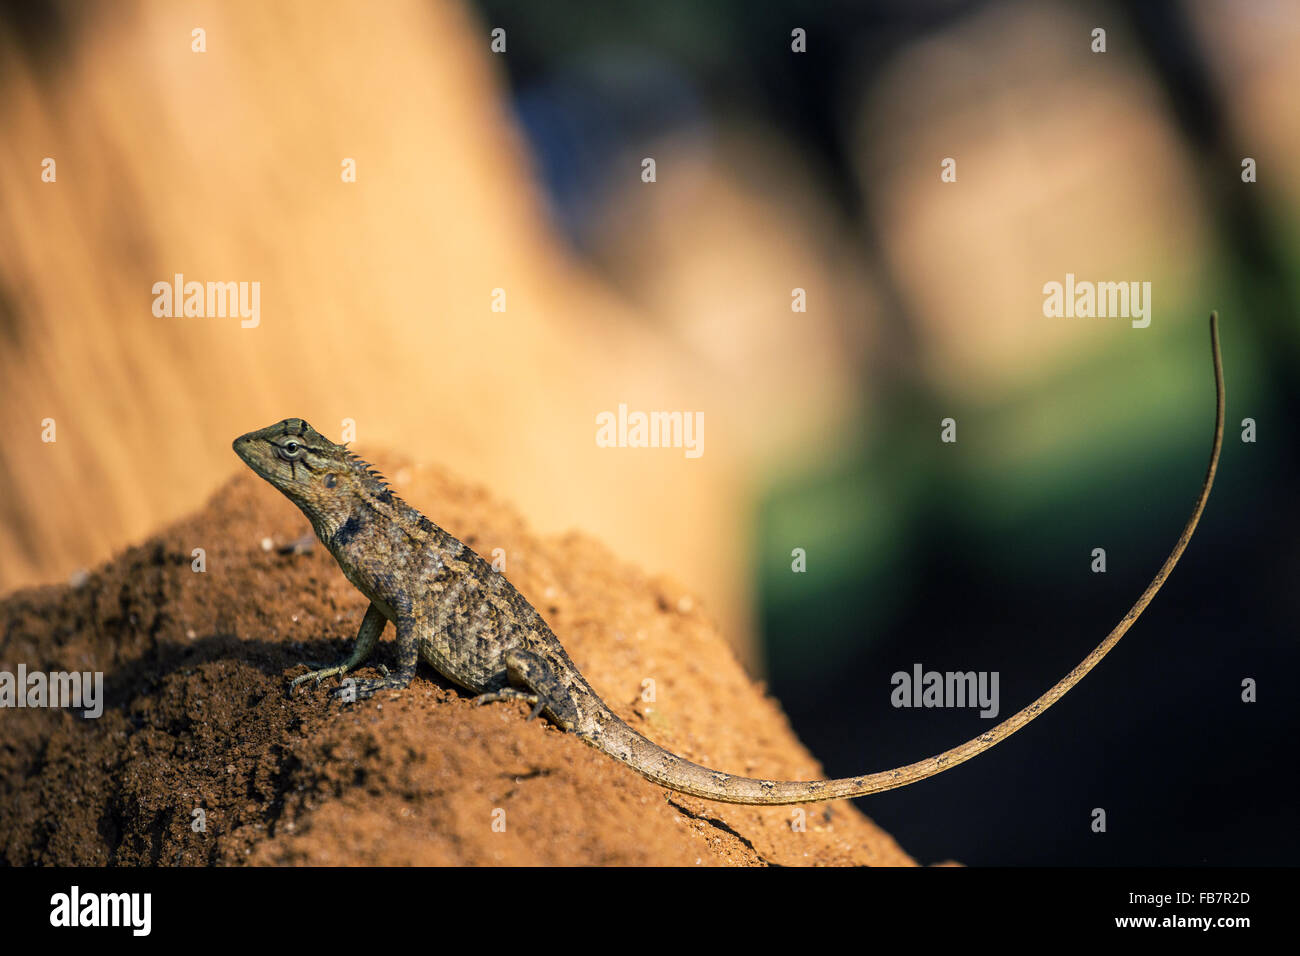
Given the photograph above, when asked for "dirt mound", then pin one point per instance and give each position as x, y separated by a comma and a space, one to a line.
196, 717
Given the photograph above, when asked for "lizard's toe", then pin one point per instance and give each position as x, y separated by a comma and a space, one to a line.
359, 690
316, 675
505, 693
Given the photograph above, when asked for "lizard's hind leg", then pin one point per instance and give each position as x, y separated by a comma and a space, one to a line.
532, 680
512, 693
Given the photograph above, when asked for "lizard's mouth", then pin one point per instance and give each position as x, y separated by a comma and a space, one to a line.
245, 447
256, 453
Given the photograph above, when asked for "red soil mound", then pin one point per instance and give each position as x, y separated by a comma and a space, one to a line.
196, 667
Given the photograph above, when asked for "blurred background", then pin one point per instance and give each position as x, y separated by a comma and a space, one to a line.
776, 170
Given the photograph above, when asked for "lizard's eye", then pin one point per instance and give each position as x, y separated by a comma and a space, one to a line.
289, 450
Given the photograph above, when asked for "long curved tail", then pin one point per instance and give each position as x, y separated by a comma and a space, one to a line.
663, 767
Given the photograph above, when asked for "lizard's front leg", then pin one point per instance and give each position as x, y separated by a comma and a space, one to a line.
408, 652
372, 625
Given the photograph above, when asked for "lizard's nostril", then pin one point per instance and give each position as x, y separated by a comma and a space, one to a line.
241, 445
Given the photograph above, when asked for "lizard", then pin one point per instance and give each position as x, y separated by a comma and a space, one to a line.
453, 610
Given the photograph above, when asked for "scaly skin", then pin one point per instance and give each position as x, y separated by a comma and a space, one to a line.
466, 620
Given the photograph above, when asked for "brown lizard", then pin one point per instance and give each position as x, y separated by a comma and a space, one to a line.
465, 619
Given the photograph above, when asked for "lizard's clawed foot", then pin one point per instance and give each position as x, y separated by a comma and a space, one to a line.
324, 672
513, 693
505, 693
318, 675
360, 690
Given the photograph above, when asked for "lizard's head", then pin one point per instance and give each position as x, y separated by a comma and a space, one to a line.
317, 475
